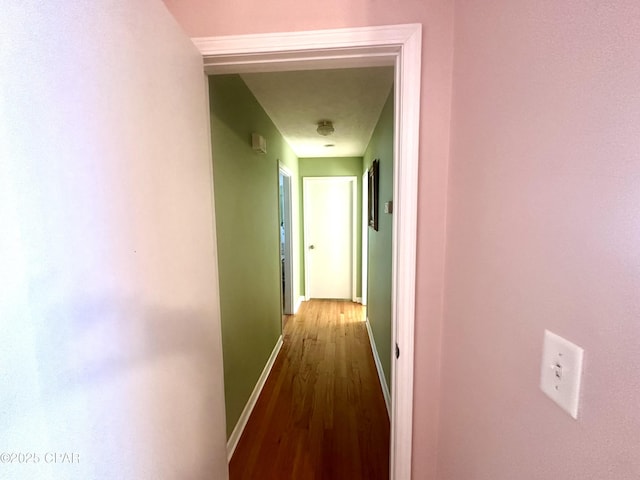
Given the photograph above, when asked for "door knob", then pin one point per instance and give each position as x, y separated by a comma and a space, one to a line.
311, 247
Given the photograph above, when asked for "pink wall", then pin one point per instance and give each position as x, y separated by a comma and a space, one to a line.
543, 232
203, 18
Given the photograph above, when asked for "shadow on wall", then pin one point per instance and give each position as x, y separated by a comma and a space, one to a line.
121, 383
106, 337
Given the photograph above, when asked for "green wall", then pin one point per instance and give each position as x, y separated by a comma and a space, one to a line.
380, 242
246, 210
334, 167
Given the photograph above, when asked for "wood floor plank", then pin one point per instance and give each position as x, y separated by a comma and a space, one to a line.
321, 414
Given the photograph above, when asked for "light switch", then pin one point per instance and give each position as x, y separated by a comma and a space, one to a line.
561, 371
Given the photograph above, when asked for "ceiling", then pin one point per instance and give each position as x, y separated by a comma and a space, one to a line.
352, 98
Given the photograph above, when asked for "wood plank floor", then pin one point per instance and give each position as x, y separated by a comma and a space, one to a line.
321, 414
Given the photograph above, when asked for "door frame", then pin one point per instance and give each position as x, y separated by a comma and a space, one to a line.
364, 247
288, 306
399, 46
354, 217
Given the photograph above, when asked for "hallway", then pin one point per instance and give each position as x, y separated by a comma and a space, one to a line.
321, 414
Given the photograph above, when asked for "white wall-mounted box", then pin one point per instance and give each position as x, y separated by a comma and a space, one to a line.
258, 143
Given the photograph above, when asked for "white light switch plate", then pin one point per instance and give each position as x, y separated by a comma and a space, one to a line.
561, 371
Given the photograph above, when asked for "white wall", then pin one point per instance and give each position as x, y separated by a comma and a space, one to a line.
108, 289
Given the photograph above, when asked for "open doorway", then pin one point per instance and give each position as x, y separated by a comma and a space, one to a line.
399, 46
286, 251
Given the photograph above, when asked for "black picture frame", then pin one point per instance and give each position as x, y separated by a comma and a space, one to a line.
373, 194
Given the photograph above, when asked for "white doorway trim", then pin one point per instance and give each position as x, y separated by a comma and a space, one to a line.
398, 45
364, 255
288, 304
353, 181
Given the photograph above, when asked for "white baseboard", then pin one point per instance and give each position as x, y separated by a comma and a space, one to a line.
298, 303
358, 299
383, 380
234, 438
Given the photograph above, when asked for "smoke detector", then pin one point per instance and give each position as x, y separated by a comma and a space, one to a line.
325, 127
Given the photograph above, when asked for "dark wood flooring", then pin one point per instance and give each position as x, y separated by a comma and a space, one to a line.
321, 413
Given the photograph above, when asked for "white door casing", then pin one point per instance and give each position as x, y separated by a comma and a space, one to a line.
288, 247
365, 238
400, 46
329, 214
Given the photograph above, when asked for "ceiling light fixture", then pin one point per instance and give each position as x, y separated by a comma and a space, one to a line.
325, 127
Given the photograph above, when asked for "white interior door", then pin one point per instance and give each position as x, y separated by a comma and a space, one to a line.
329, 238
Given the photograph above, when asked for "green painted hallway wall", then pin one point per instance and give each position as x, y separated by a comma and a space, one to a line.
247, 229
380, 242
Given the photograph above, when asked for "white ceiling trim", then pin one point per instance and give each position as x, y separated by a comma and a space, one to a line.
325, 48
